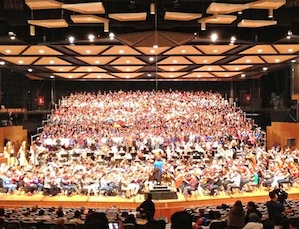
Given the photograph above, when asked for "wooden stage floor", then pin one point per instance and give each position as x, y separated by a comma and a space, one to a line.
164, 208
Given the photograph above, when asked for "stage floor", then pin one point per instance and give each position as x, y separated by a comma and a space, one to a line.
164, 208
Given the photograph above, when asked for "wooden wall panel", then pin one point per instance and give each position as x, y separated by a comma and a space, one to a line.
14, 133
280, 132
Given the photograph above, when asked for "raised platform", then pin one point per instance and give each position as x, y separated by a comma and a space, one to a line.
164, 208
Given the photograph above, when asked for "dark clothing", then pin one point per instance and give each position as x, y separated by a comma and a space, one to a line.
274, 209
148, 206
254, 210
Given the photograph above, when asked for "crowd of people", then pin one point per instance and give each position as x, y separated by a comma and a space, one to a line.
115, 142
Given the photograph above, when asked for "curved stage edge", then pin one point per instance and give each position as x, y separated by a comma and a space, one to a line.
164, 208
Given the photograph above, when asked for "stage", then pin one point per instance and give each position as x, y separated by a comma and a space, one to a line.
164, 208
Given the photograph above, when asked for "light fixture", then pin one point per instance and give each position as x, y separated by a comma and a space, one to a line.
226, 75
183, 51
128, 69
51, 61
265, 68
111, 36
52, 77
99, 76
121, 51
8, 51
155, 46
243, 75
175, 61
88, 51
70, 76
214, 37
293, 61
198, 75
152, 51
2, 62
270, 13
71, 39
89, 69
290, 50
60, 69
151, 58
32, 30
152, 8
237, 69
30, 70
97, 62
41, 51
20, 62
128, 61
12, 35
171, 69
215, 51
149, 74
106, 27
205, 61
248, 61
277, 60
289, 34
259, 50
232, 40
210, 69
203, 26
91, 37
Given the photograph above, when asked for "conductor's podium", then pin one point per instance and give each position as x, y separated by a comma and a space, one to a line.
162, 192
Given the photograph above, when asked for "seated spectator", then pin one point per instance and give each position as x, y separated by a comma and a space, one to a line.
77, 218
253, 222
181, 220
236, 216
251, 208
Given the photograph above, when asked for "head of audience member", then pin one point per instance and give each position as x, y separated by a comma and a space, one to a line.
251, 205
273, 195
77, 214
217, 215
253, 217
96, 220
59, 213
2, 212
181, 220
237, 208
41, 212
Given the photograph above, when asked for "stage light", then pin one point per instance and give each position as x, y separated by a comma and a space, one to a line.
232, 40
265, 68
293, 61
52, 77
30, 70
152, 8
151, 58
289, 34
243, 75
203, 26
2, 62
12, 35
155, 46
71, 39
91, 37
111, 36
149, 74
214, 37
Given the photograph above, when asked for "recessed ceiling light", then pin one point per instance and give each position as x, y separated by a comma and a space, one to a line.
183, 51
248, 61
41, 51
20, 62
290, 50
8, 51
210, 69
99, 76
243, 75
97, 61
71, 39
128, 61
151, 58
89, 69
259, 50
293, 61
172, 69
52, 77
88, 51
215, 51
205, 61
155, 46
171, 76
175, 61
128, 69
70, 76
30, 69
127, 76
121, 51
2, 62
277, 60
198, 75
111, 36
149, 74
226, 75
265, 68
51, 61
60, 69
152, 51
214, 37
236, 68
91, 37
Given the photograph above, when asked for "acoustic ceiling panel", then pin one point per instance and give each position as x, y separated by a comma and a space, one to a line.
209, 68
175, 60
246, 23
41, 50
70, 75
10, 50
86, 8
88, 69
51, 61
179, 16
88, 19
287, 48
183, 50
127, 61
86, 50
199, 75
173, 68
225, 8
99, 76
248, 60
205, 59
129, 16
20, 60
127, 75
260, 49
60, 68
275, 59
43, 4
49, 23
96, 60
215, 49
267, 4
171, 75
121, 50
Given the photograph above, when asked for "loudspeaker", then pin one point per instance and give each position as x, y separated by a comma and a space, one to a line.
291, 142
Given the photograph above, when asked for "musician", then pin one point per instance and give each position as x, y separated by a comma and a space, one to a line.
158, 170
22, 155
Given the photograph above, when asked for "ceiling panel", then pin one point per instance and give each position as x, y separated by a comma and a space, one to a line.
274, 59
41, 50
248, 60
50, 23
60, 68
86, 8
127, 75
89, 69
20, 60
121, 50
183, 50
215, 49
219, 19
173, 68
209, 68
127, 68
171, 75
287, 48
96, 60
43, 4
151, 50
84, 19
175, 60
99, 76
267, 4
236, 67
129, 16
246, 23
205, 59
51, 61
12, 49
260, 49
127, 61
86, 50
69, 75
227, 74
199, 75
225, 8
179, 16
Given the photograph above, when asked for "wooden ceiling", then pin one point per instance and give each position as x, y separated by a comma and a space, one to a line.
132, 55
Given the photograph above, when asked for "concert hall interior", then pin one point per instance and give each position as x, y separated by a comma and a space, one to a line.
104, 102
